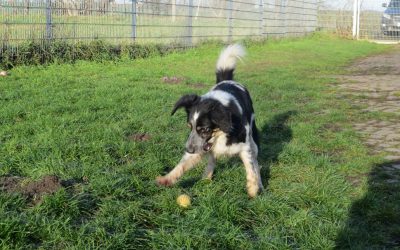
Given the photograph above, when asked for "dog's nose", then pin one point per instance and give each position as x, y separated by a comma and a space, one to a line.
190, 150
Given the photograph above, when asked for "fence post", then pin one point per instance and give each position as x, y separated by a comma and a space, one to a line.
261, 2
173, 10
190, 24
285, 17
355, 18
230, 9
358, 19
49, 31
133, 20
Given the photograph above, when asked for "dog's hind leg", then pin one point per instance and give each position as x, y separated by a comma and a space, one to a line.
208, 172
254, 184
187, 162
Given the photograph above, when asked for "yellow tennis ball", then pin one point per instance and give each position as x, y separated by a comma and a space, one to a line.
183, 200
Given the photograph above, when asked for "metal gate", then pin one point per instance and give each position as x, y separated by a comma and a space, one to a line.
377, 20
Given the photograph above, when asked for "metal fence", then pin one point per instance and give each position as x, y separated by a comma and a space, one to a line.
362, 19
379, 20
183, 22
187, 22
336, 16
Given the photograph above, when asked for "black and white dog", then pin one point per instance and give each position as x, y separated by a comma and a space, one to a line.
222, 123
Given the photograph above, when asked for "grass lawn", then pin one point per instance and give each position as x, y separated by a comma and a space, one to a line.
83, 123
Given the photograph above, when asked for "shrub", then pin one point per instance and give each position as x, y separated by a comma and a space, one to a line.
61, 51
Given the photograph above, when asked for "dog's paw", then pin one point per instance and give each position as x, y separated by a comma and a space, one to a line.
163, 181
253, 191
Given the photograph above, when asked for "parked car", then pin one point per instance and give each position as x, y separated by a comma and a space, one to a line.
390, 23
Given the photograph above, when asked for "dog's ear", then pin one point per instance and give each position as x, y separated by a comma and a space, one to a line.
186, 101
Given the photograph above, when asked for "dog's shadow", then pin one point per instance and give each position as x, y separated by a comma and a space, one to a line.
274, 135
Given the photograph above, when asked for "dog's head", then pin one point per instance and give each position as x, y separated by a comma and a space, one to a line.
207, 119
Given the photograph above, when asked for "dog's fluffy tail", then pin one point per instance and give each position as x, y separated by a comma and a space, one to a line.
226, 63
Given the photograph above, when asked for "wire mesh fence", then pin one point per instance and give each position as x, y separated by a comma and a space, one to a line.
362, 19
379, 20
184, 22
336, 16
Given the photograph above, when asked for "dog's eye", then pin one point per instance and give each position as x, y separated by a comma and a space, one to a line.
203, 131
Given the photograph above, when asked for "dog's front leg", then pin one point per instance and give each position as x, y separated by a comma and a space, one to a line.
208, 172
254, 184
187, 162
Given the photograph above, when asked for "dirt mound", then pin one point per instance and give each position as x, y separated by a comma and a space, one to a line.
139, 137
32, 190
10, 183
172, 79
47, 185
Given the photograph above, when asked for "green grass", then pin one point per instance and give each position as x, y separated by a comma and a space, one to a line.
73, 120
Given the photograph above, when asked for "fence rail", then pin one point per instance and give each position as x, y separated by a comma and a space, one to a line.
183, 22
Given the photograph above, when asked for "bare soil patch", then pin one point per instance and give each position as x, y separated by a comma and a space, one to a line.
32, 190
139, 137
179, 80
386, 64
356, 180
172, 79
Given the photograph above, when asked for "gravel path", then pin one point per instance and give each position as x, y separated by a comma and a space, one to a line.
374, 85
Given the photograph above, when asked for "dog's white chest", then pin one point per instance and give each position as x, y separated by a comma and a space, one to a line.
220, 148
